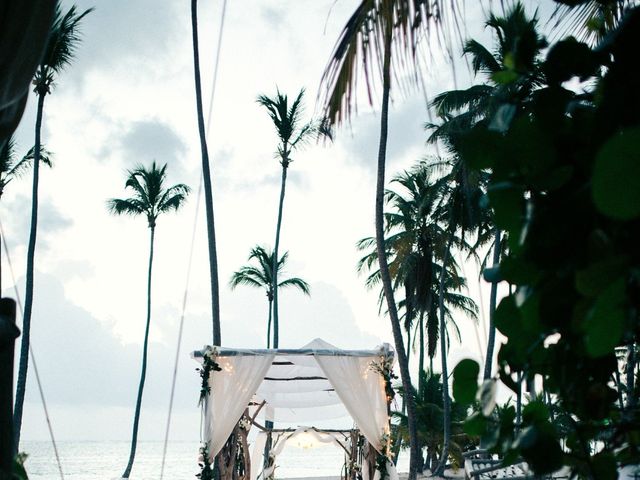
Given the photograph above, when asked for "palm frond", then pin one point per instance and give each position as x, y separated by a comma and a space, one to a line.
62, 43
358, 51
298, 283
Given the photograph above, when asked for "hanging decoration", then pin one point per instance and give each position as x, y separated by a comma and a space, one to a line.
209, 365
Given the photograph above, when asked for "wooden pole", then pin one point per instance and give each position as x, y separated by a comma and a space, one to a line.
8, 334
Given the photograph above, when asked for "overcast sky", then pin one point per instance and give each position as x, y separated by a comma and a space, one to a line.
128, 99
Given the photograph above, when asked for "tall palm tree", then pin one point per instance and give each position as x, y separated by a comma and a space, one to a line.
208, 191
460, 110
64, 38
260, 276
365, 45
292, 133
150, 198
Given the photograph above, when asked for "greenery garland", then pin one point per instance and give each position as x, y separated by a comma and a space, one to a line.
208, 365
206, 467
384, 367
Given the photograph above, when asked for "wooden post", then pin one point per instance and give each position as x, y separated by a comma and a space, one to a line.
8, 334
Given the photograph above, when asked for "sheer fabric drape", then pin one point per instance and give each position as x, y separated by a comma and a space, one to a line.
361, 390
231, 391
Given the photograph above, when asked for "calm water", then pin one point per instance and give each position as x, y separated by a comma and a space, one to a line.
106, 461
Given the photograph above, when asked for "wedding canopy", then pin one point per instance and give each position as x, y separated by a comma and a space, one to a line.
316, 382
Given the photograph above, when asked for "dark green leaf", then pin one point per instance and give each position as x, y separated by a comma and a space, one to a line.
604, 467
465, 381
475, 425
508, 204
605, 323
593, 279
507, 317
616, 176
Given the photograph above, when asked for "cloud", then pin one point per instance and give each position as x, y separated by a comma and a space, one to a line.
406, 135
50, 221
119, 32
149, 140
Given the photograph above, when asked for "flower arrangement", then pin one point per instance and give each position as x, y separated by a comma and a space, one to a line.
206, 467
244, 423
384, 366
209, 364
383, 457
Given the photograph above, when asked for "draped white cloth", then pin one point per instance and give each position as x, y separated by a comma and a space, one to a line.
256, 455
231, 391
362, 391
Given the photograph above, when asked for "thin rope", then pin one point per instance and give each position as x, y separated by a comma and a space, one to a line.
215, 68
180, 330
32, 356
190, 261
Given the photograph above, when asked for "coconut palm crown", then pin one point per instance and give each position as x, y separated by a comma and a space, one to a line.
261, 276
149, 196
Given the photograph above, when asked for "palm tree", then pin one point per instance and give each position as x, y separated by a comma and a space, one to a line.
365, 44
206, 176
292, 133
261, 277
150, 198
462, 109
12, 168
63, 41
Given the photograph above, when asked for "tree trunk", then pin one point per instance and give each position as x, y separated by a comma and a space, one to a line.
631, 366
269, 325
28, 296
8, 334
382, 259
446, 405
274, 266
421, 354
143, 374
206, 175
488, 361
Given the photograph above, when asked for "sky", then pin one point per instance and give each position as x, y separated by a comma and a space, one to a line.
128, 99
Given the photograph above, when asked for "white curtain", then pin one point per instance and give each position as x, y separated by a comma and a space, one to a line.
362, 392
257, 457
231, 391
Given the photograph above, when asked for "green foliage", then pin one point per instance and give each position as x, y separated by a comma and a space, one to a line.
19, 472
465, 381
563, 183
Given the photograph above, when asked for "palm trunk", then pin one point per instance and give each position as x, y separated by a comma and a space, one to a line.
446, 404
274, 267
488, 362
382, 259
143, 374
206, 174
28, 297
631, 366
421, 354
269, 325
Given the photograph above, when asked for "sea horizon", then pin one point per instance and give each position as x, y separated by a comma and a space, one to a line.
106, 459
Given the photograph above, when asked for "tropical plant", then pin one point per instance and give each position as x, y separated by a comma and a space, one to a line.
414, 238
429, 408
260, 276
564, 186
516, 37
206, 177
365, 45
150, 198
63, 40
292, 133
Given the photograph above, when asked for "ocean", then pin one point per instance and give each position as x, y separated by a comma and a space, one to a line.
106, 461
